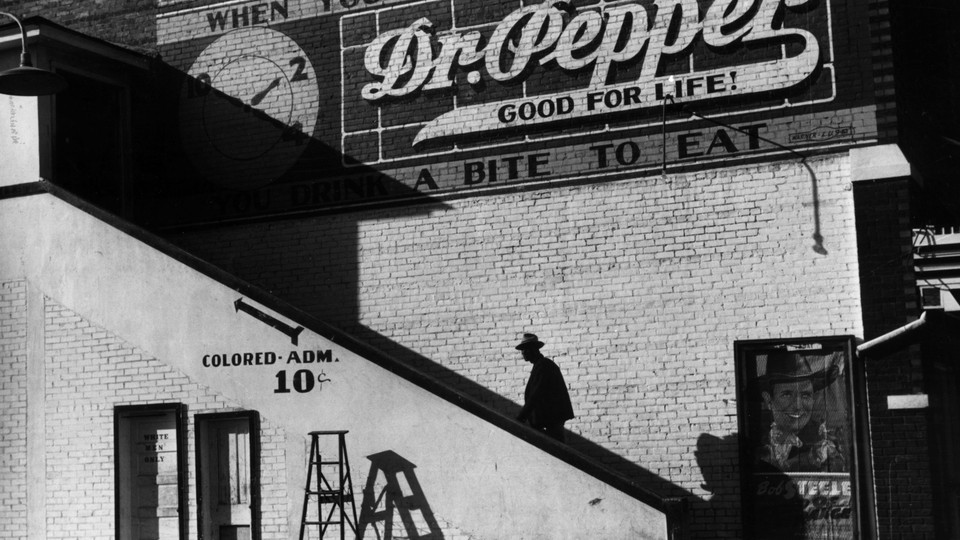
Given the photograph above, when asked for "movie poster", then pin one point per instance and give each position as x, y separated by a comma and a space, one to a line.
797, 441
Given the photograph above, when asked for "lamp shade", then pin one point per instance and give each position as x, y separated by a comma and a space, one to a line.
30, 81
27, 80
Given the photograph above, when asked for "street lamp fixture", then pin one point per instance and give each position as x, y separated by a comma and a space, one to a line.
27, 80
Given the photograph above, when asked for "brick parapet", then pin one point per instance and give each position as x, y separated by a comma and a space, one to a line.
881, 53
131, 24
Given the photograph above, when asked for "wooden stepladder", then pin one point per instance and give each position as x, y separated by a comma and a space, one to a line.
329, 488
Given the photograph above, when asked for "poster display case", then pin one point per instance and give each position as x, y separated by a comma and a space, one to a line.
799, 439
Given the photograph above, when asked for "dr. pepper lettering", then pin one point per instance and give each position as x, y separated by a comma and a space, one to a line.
418, 57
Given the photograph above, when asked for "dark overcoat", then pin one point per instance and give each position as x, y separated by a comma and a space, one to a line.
546, 400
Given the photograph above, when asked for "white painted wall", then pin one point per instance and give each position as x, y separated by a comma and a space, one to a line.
19, 140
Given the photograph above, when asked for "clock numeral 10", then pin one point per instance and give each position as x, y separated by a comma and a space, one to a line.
198, 86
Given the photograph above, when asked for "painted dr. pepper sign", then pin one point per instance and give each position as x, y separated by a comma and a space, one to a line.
358, 101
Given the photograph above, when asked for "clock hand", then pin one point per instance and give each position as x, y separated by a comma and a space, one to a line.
263, 93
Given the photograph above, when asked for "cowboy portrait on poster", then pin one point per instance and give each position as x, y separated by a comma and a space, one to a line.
798, 437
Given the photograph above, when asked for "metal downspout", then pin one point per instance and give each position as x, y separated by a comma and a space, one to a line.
866, 346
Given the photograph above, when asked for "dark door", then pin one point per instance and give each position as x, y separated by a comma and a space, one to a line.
227, 453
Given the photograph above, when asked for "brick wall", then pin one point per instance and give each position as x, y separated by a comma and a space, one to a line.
13, 409
88, 373
881, 52
900, 437
131, 24
639, 289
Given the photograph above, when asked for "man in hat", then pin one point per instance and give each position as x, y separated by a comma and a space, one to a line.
546, 401
797, 442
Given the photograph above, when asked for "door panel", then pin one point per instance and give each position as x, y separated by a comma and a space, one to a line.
148, 482
227, 467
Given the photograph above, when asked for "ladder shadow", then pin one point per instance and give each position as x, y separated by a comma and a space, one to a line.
393, 490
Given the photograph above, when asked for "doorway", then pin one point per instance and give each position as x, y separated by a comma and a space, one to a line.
228, 457
149, 462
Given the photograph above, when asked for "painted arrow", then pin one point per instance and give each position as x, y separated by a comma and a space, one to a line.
291, 332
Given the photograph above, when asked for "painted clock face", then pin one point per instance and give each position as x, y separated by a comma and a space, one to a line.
248, 107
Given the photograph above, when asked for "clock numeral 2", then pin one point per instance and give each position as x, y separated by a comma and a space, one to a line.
198, 86
299, 75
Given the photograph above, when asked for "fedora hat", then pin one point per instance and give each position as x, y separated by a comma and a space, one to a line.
786, 367
529, 341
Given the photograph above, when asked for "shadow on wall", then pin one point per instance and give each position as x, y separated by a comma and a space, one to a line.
777, 513
231, 149
717, 459
392, 492
226, 161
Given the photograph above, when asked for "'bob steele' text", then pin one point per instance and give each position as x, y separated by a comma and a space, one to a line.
405, 61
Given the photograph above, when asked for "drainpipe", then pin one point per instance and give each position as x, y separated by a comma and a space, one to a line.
863, 348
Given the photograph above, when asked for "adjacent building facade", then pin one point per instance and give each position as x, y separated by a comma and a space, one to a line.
264, 220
